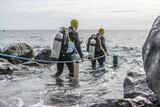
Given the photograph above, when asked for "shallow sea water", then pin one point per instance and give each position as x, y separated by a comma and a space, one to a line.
34, 86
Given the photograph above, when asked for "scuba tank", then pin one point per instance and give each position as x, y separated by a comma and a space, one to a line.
92, 45
57, 43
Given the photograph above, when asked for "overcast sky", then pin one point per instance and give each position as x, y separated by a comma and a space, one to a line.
92, 14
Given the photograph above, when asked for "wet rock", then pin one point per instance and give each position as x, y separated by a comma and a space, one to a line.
43, 55
114, 103
19, 49
140, 101
4, 60
151, 58
136, 102
135, 85
6, 68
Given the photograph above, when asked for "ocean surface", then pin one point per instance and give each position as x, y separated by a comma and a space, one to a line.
34, 86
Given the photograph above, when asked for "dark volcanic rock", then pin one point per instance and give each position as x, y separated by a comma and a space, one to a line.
140, 101
6, 67
151, 58
4, 60
135, 85
114, 103
19, 49
136, 102
43, 55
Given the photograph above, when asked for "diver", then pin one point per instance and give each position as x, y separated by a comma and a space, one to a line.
70, 46
97, 48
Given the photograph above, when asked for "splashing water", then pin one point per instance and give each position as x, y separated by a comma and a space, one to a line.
34, 86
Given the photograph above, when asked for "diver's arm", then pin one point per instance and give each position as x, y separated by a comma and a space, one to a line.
77, 44
104, 46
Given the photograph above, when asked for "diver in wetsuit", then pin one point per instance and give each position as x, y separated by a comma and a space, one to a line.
70, 45
100, 48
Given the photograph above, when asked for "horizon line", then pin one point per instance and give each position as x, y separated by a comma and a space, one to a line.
78, 29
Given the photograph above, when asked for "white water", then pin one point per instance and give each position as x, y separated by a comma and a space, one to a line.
34, 86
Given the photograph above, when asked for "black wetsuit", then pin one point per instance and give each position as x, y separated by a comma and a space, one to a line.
68, 56
100, 50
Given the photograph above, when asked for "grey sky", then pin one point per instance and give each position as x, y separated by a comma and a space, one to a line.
92, 14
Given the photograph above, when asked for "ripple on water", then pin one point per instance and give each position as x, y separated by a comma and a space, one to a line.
95, 87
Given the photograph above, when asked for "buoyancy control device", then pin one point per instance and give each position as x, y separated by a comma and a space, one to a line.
71, 45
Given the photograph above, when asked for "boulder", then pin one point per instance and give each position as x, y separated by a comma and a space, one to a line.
3, 60
151, 58
19, 49
135, 85
136, 102
114, 103
140, 101
6, 67
43, 55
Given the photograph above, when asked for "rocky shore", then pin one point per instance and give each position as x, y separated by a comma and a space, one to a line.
142, 90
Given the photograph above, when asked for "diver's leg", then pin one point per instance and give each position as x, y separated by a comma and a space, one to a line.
101, 60
71, 69
93, 64
60, 67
